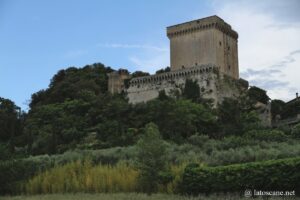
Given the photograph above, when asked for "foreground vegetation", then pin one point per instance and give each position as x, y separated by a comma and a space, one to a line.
151, 165
194, 179
77, 137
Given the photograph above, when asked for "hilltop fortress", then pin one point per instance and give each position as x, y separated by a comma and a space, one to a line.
203, 50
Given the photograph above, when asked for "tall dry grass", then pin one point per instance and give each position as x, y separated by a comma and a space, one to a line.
82, 176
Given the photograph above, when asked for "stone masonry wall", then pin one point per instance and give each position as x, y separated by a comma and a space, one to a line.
213, 85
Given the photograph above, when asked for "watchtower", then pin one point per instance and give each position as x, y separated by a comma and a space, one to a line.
208, 40
116, 80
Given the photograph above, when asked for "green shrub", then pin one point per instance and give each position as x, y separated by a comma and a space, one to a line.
296, 131
267, 135
270, 175
5, 154
12, 172
198, 140
285, 128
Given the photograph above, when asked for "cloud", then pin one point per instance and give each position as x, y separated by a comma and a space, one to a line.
150, 61
286, 60
269, 84
269, 54
134, 46
261, 73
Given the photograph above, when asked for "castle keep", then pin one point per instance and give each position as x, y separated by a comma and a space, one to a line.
203, 41
204, 51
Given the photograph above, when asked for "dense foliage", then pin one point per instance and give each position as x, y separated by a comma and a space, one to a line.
191, 90
237, 116
282, 110
290, 110
258, 94
273, 175
77, 111
14, 171
11, 125
277, 107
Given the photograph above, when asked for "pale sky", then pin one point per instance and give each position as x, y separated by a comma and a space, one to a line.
38, 38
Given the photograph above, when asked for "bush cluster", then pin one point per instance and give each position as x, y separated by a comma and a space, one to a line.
198, 148
273, 175
232, 150
13, 172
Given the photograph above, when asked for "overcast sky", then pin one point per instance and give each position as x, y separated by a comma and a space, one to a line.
38, 38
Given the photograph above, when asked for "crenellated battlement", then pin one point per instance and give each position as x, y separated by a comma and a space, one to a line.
201, 24
183, 73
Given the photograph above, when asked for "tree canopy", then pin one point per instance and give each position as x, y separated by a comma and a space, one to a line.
77, 111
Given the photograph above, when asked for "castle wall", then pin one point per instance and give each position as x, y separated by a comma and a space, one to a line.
212, 84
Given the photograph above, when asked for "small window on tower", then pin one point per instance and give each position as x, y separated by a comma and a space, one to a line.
228, 48
229, 67
182, 66
220, 43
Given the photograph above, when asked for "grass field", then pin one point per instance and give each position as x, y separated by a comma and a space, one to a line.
127, 196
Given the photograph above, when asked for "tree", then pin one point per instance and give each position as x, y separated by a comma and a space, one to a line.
139, 74
290, 110
75, 104
151, 160
191, 90
54, 128
258, 94
160, 71
176, 119
69, 84
236, 116
277, 107
10, 122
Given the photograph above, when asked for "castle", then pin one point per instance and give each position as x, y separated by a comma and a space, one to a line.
203, 50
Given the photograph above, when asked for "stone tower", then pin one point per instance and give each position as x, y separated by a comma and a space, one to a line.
116, 81
208, 40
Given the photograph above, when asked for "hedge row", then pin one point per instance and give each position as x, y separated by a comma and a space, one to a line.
278, 175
